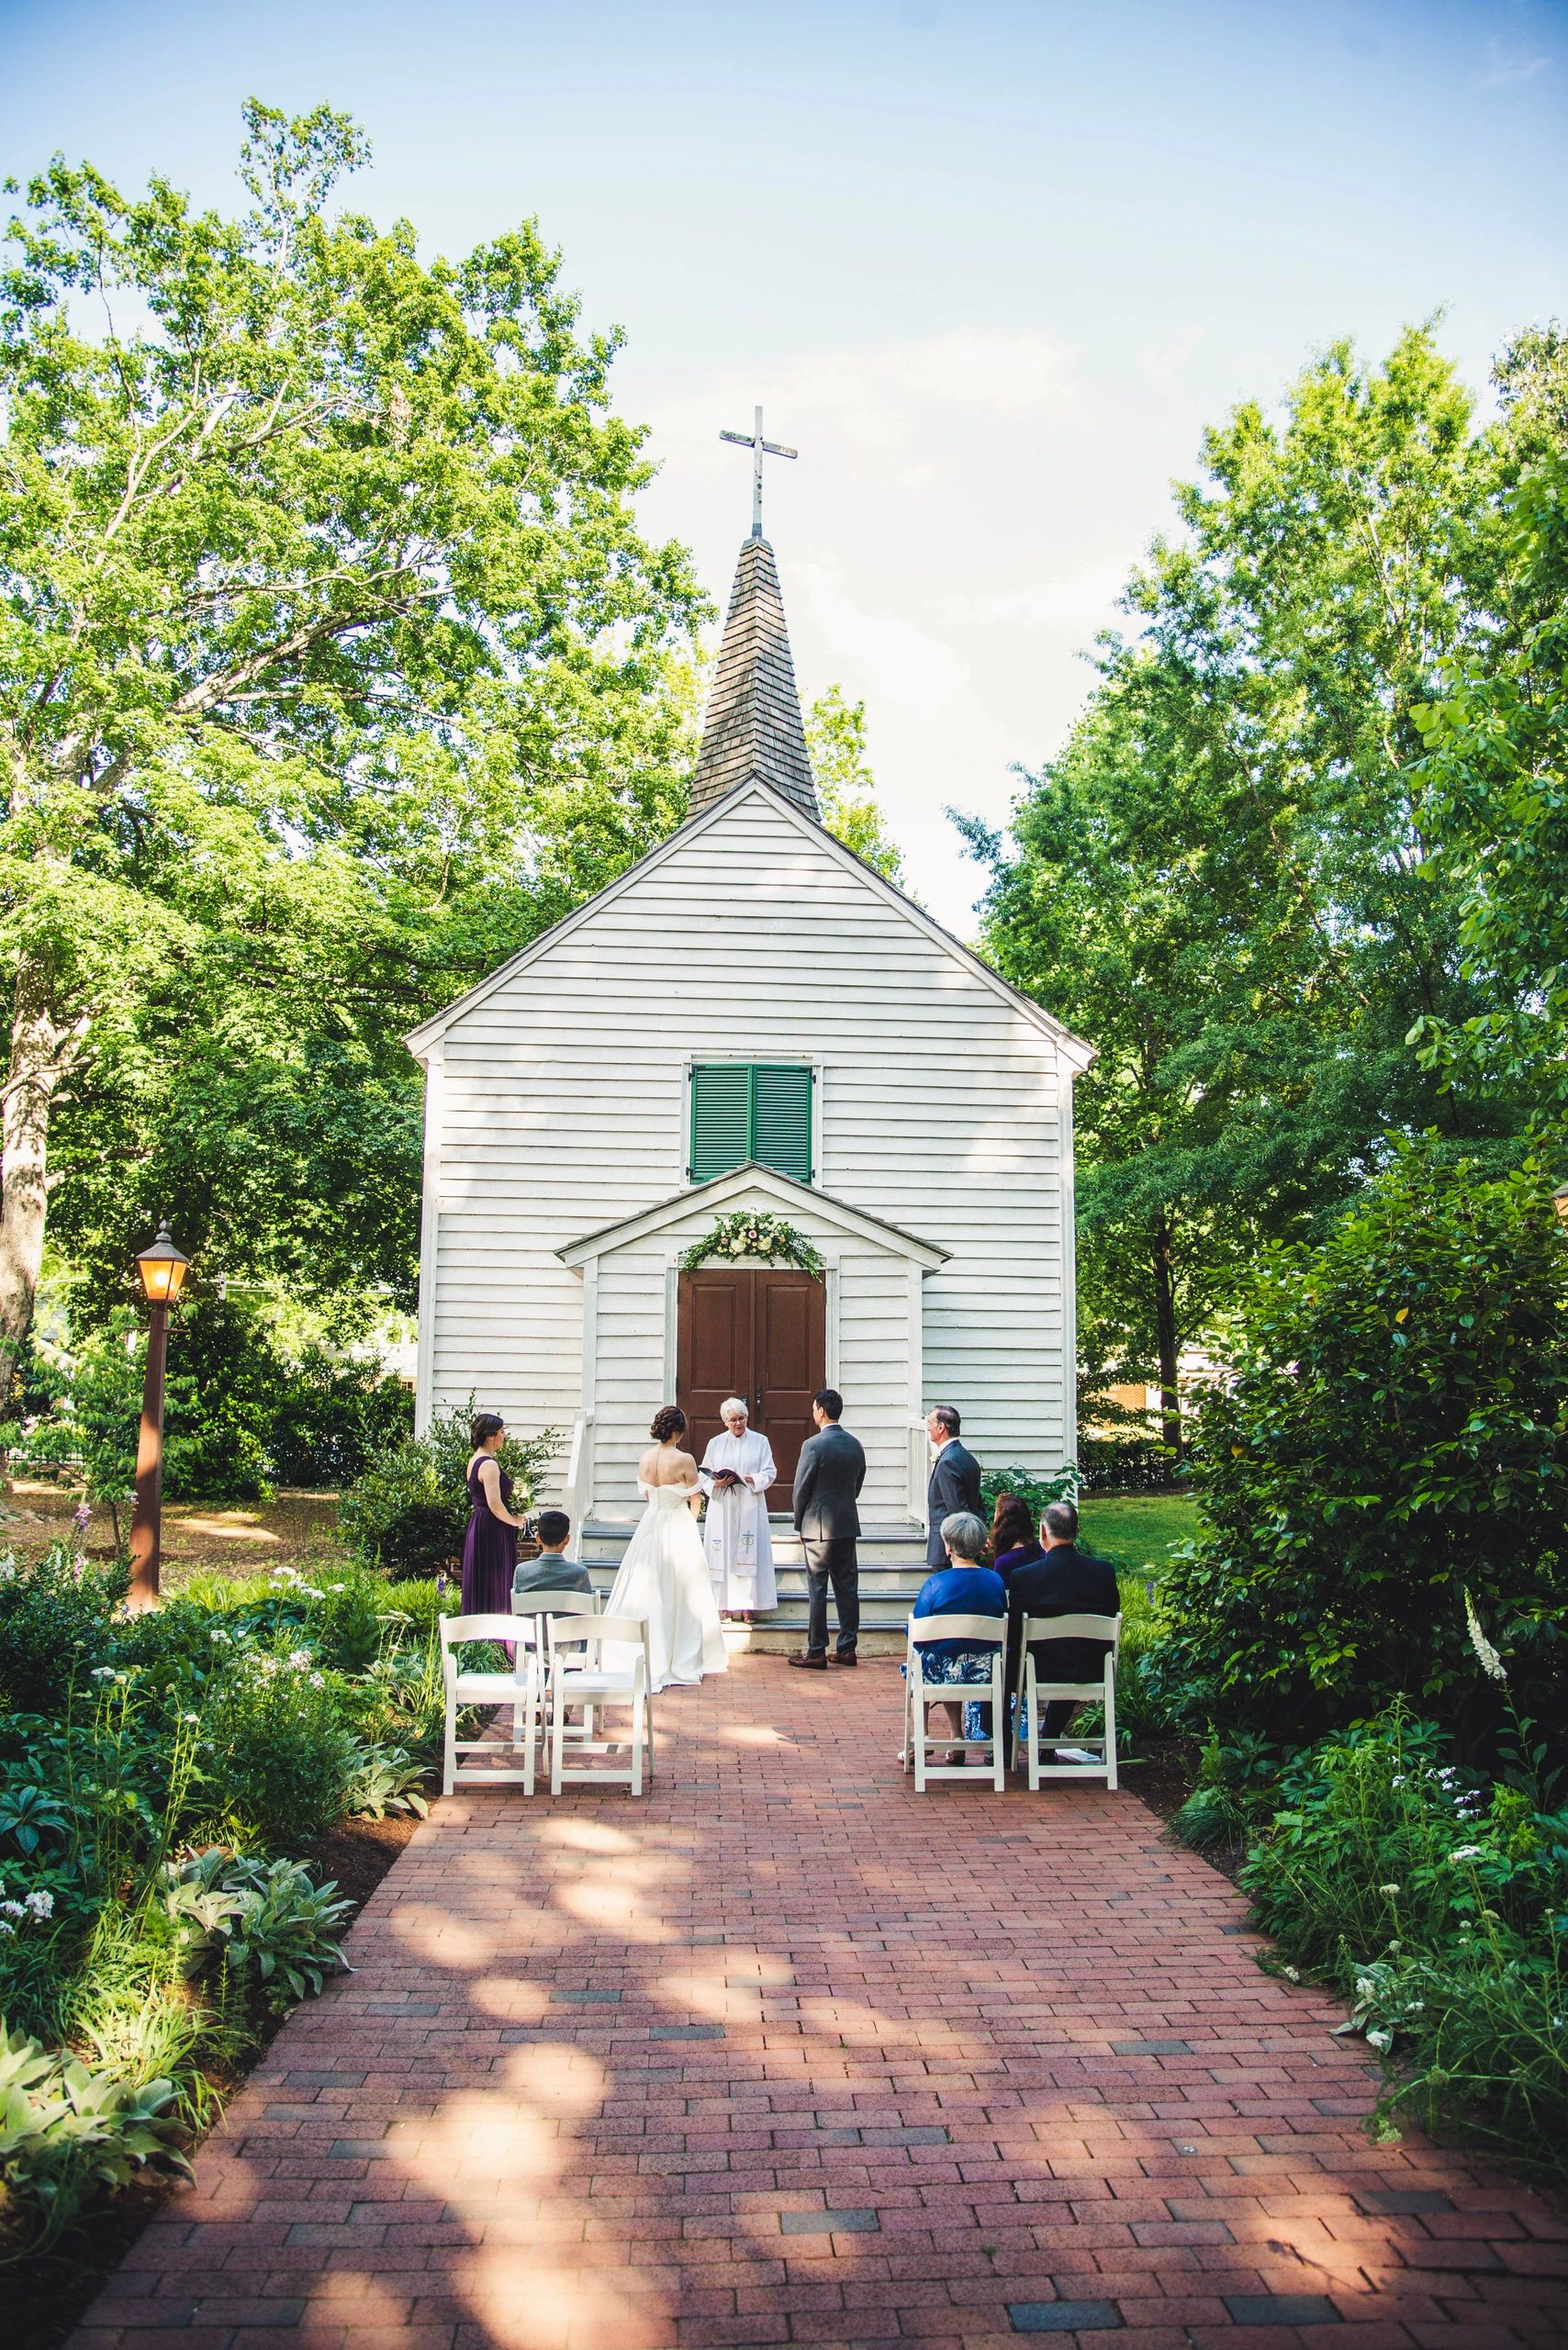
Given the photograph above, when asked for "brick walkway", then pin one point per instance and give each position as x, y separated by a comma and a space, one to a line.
785, 2054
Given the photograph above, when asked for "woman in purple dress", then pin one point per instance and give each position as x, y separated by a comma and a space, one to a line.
489, 1546
1013, 1542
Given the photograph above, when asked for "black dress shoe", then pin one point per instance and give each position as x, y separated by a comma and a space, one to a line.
845, 1656
812, 1663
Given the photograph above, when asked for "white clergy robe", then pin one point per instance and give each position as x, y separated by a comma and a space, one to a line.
740, 1554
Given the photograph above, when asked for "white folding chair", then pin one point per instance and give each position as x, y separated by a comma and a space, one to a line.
517, 1687
540, 1605
1035, 1695
920, 1695
605, 1685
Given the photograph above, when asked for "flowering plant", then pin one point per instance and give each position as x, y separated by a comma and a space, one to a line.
750, 1233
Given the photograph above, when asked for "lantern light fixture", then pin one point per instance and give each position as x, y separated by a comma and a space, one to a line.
163, 1270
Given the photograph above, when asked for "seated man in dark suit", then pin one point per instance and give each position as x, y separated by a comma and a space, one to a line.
1065, 1582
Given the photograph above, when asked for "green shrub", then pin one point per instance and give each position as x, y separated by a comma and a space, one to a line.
217, 1430
267, 1921
334, 1419
1437, 1902
1035, 1491
1395, 1434
55, 1627
65, 2132
281, 1753
407, 1515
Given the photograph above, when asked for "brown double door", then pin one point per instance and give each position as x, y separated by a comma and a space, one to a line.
762, 1335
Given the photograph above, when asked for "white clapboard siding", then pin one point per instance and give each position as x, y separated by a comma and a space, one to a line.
558, 1106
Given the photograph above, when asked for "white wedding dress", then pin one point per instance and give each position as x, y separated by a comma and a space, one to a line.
663, 1577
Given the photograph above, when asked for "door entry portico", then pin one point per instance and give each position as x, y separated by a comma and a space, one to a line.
758, 1334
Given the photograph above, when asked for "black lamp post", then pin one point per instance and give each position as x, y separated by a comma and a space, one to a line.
162, 1270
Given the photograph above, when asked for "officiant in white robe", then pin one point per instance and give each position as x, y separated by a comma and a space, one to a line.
740, 1553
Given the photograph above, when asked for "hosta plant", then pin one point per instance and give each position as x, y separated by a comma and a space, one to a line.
66, 2130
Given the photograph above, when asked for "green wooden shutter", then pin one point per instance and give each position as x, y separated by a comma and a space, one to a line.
739, 1112
721, 1118
781, 1119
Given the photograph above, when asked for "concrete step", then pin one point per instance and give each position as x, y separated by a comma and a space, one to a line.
892, 1568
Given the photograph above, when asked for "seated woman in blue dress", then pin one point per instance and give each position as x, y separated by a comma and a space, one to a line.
963, 1587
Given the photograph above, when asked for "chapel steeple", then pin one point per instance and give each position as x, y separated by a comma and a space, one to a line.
754, 727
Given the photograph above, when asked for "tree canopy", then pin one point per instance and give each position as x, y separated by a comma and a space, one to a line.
1234, 878
333, 666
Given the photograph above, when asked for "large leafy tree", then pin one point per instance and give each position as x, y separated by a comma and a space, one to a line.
1230, 880
846, 788
332, 665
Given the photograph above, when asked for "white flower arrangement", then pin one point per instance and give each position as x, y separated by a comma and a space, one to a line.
749, 1232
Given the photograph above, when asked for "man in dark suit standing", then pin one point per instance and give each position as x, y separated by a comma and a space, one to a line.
954, 1482
827, 1488
1065, 1582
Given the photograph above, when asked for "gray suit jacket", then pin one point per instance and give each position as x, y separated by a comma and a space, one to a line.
954, 1485
827, 1484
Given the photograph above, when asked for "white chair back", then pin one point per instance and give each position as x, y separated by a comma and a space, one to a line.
1074, 1628
991, 1630
583, 1677
1034, 1693
555, 1603
457, 1629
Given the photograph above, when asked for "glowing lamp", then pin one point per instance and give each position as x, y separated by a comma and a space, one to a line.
163, 1268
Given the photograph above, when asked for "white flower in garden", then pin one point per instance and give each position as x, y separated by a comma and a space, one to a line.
12, 1909
220, 1638
41, 1904
1467, 1852
7, 1927
190, 1718
334, 1587
300, 1658
317, 1681
103, 1672
1382, 2041
1389, 1889
1491, 1662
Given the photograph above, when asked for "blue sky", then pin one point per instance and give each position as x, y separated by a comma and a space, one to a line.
992, 267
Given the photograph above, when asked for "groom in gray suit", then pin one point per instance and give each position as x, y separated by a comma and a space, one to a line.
954, 1481
827, 1488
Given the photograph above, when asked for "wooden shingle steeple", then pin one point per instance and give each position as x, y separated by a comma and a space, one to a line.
752, 729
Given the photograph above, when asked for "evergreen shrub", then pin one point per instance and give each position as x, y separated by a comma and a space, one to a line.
1394, 1437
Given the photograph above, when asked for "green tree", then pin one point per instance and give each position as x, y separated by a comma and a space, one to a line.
332, 660
846, 788
1228, 881
1495, 779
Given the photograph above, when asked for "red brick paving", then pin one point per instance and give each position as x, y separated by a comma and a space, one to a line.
785, 2054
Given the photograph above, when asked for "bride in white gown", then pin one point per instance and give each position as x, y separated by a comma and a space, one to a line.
664, 1575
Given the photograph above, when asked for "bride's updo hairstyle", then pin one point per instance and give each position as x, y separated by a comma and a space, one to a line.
668, 1424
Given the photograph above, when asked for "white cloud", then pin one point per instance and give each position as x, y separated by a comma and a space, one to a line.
1086, 598
884, 399
1507, 68
889, 658
1162, 362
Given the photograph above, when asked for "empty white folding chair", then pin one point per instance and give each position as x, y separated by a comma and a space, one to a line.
540, 1605
920, 1695
1035, 1695
516, 1686
611, 1684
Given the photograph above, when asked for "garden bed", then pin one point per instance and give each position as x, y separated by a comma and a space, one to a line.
50, 2293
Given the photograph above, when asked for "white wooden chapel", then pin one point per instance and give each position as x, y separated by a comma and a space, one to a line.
750, 1017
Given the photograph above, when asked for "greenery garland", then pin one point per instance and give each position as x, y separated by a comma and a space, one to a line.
746, 1233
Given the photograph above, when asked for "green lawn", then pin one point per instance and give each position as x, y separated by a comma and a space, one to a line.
1138, 1527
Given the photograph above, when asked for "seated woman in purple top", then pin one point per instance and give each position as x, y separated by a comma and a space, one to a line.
963, 1587
1014, 1542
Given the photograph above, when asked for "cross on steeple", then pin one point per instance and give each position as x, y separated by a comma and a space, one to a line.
759, 448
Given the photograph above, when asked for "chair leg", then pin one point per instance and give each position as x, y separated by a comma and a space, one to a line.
998, 1735
1033, 1703
1111, 1732
557, 1723
638, 1729
449, 1759
922, 1722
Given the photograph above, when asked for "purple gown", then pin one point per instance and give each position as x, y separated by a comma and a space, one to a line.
489, 1553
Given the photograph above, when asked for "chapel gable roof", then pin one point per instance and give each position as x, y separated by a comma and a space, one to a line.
735, 1185
753, 731
1072, 1048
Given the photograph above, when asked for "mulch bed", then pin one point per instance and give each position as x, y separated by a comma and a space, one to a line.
47, 2295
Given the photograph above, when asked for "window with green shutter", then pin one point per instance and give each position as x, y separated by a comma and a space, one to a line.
759, 1110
